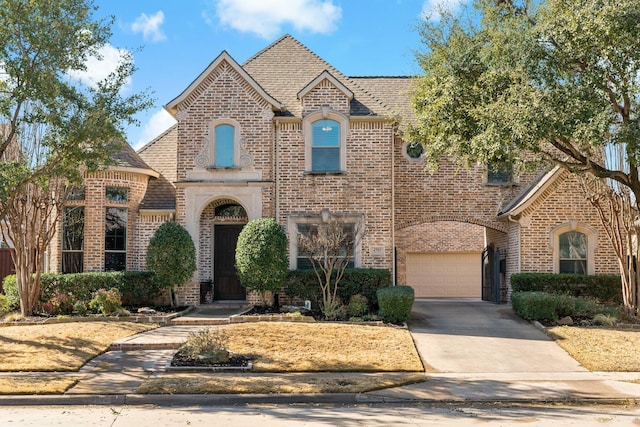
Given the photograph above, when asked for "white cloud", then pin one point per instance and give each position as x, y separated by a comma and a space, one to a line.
432, 8
149, 26
158, 123
99, 68
266, 17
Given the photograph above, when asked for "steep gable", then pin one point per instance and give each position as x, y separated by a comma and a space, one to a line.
286, 67
201, 82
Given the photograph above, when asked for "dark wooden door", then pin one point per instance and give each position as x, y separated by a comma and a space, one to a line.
226, 285
6, 264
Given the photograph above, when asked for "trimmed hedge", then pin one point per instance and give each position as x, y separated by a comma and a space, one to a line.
303, 284
136, 287
605, 288
543, 306
395, 303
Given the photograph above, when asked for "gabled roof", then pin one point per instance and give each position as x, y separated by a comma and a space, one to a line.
172, 106
531, 193
286, 66
325, 75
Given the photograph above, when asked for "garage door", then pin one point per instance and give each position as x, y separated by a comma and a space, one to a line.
438, 275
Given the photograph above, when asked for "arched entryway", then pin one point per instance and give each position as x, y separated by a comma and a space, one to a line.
220, 225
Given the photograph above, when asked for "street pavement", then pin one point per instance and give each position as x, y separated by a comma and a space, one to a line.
473, 352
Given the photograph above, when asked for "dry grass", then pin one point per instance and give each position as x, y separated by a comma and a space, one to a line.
600, 349
40, 385
274, 384
59, 347
333, 347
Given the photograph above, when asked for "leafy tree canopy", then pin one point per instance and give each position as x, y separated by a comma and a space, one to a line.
558, 79
51, 121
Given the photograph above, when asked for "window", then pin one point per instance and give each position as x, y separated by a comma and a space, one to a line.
117, 194
574, 245
325, 146
75, 193
499, 174
325, 134
115, 239
230, 211
224, 150
73, 239
573, 252
343, 238
414, 150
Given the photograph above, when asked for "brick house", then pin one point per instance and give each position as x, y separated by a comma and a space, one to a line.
286, 135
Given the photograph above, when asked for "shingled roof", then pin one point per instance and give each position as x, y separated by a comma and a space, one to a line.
286, 66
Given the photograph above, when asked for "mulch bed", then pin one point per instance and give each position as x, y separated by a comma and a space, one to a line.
235, 361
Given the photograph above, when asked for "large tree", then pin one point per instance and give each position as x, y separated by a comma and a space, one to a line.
54, 125
516, 81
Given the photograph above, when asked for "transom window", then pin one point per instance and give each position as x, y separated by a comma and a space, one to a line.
115, 239
325, 146
117, 194
225, 141
573, 252
73, 239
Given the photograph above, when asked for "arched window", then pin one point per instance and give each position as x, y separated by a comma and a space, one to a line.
325, 140
224, 150
573, 252
325, 145
574, 246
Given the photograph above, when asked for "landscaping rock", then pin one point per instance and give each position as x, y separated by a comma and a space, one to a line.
565, 321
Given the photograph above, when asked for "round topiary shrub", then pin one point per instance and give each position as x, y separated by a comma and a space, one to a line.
171, 255
262, 261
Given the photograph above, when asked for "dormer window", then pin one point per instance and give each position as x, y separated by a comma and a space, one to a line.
325, 146
325, 139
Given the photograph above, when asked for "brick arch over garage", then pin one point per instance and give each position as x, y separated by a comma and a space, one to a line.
426, 219
440, 256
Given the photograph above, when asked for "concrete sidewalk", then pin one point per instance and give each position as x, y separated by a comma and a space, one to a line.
472, 351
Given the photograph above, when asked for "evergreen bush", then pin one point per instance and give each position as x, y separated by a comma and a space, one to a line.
395, 303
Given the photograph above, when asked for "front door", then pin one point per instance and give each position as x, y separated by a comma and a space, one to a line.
226, 285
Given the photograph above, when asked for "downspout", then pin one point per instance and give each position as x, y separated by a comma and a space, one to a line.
511, 218
276, 193
393, 209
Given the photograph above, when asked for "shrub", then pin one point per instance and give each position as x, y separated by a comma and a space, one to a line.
80, 308
107, 302
602, 287
210, 343
358, 306
605, 320
5, 306
395, 303
10, 288
303, 284
171, 255
534, 305
262, 260
59, 304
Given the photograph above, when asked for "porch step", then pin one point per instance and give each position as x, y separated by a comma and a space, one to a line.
211, 314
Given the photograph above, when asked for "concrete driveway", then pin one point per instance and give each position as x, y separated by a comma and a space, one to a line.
470, 336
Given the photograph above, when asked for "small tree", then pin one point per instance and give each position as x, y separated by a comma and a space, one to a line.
262, 261
329, 247
171, 255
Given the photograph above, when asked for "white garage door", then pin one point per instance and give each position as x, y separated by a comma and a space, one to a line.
438, 275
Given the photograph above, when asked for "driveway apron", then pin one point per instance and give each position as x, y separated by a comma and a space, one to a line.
469, 336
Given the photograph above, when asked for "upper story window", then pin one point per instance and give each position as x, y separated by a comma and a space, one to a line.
413, 150
75, 193
224, 146
325, 146
117, 194
499, 174
325, 141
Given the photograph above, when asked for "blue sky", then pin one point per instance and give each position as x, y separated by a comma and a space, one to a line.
173, 41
